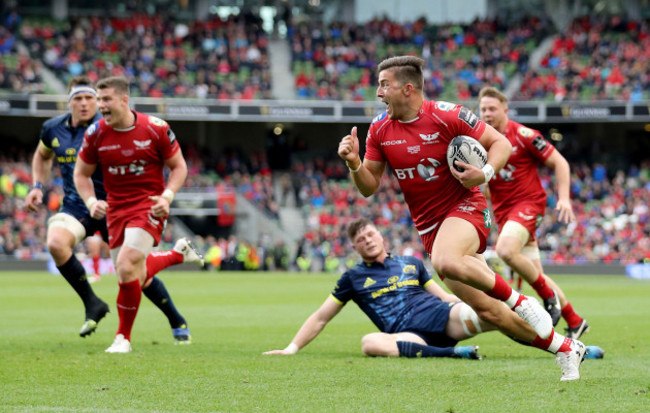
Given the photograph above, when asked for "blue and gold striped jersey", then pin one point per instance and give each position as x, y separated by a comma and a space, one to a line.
65, 140
393, 295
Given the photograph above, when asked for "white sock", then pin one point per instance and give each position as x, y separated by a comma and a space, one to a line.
556, 342
512, 300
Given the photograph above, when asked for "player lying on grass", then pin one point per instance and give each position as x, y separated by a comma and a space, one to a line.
416, 317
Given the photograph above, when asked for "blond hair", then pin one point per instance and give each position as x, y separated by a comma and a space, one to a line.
492, 92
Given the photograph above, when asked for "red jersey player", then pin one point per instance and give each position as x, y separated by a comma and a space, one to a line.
131, 148
449, 213
519, 202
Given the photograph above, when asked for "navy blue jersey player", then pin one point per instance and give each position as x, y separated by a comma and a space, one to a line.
415, 316
394, 295
60, 140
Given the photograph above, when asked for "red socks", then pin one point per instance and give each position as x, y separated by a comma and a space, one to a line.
96, 264
128, 302
572, 318
158, 261
541, 288
555, 343
501, 290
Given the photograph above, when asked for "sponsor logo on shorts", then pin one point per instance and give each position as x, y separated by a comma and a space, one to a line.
525, 216
153, 221
466, 209
487, 218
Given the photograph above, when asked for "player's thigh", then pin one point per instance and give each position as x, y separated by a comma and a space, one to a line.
456, 238
130, 256
63, 233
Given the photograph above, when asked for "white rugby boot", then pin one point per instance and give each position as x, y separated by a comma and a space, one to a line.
120, 345
534, 314
190, 254
569, 361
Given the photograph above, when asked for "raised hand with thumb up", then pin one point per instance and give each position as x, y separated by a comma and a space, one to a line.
349, 149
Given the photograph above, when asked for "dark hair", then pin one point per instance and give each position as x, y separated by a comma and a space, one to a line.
407, 69
119, 83
492, 92
357, 225
80, 81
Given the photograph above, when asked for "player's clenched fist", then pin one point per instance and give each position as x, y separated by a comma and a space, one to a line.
97, 208
349, 149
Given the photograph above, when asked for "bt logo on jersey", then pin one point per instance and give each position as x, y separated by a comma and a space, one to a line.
135, 168
426, 170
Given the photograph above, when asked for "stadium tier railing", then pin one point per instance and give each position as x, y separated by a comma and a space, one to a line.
320, 111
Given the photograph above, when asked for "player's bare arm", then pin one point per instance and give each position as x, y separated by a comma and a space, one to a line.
498, 150
366, 174
434, 289
83, 182
41, 166
177, 176
563, 176
311, 328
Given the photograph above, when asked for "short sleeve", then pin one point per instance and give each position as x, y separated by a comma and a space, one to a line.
343, 290
536, 144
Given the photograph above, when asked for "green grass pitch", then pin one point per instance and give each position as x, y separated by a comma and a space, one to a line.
46, 367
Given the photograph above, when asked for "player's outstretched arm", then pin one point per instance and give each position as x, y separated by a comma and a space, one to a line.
563, 176
41, 166
311, 328
366, 174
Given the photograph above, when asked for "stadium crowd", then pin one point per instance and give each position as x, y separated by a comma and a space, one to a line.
337, 60
596, 58
221, 59
19, 73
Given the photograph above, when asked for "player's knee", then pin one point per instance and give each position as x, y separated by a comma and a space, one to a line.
506, 253
370, 345
449, 267
58, 248
127, 270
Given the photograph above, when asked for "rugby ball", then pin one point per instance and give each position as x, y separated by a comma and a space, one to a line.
468, 150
